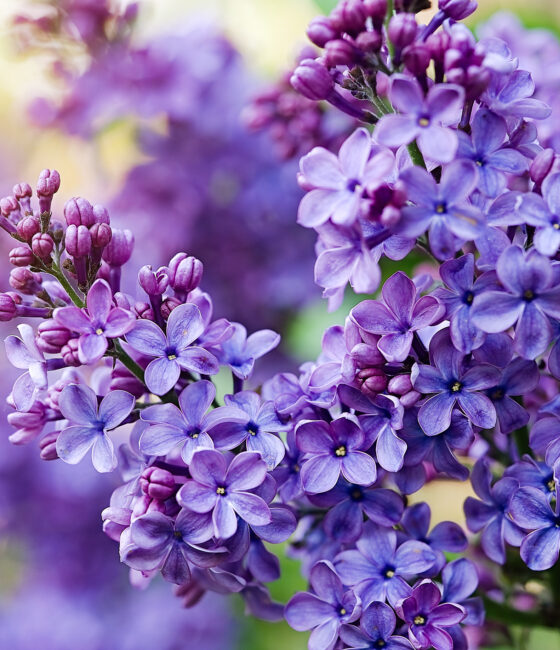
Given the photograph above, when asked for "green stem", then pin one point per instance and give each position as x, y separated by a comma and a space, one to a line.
59, 275
416, 155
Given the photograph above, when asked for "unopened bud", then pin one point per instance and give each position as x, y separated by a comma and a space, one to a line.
70, 353
47, 186
42, 245
185, 272
369, 41
9, 205
376, 10
79, 212
78, 241
168, 306
457, 9
119, 249
8, 307
100, 214
410, 399
47, 445
101, 234
541, 165
374, 380
154, 283
21, 256
341, 52
349, 16
312, 79
402, 29
28, 227
25, 281
52, 337
321, 31
400, 385
157, 483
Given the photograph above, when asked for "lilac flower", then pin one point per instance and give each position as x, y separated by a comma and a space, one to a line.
530, 296
258, 429
223, 489
458, 299
241, 351
90, 424
173, 351
188, 427
162, 543
536, 474
24, 353
377, 625
332, 449
511, 96
347, 503
424, 119
96, 324
452, 385
460, 580
428, 618
489, 514
531, 510
378, 569
543, 212
325, 610
487, 151
381, 418
442, 208
339, 181
397, 318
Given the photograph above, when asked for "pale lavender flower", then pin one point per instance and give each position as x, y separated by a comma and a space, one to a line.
240, 351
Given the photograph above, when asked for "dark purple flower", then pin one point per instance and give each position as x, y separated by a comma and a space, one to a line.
97, 323
223, 489
442, 208
543, 212
397, 318
489, 514
381, 417
240, 351
378, 569
257, 430
173, 350
377, 625
428, 619
332, 449
458, 298
188, 427
531, 510
325, 610
339, 182
531, 294
90, 424
347, 503
532, 473
486, 149
422, 119
453, 385
161, 543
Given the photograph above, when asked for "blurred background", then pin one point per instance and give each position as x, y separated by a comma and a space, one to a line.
145, 117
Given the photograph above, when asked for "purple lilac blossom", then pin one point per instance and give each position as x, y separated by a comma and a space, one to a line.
377, 625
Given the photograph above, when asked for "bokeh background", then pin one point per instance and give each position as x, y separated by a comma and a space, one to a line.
176, 164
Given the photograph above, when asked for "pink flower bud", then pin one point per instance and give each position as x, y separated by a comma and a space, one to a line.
47, 186
410, 399
400, 385
101, 234
9, 204
52, 337
42, 245
341, 52
402, 29
185, 272
28, 227
369, 41
25, 281
541, 165
168, 306
376, 10
321, 31
21, 256
154, 283
349, 16
374, 380
312, 79
8, 307
101, 215
144, 310
70, 353
47, 445
79, 212
29, 425
119, 249
78, 241
157, 483
22, 190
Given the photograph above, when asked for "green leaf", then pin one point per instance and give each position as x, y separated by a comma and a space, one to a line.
326, 5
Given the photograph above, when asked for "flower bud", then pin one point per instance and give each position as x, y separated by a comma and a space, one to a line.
402, 30
154, 283
119, 249
144, 310
410, 399
168, 306
122, 379
417, 58
51, 337
21, 256
541, 165
28, 227
457, 9
47, 186
400, 385
70, 353
29, 424
157, 483
321, 31
390, 216
22, 191
376, 10
8, 307
101, 234
78, 241
42, 245
341, 52
349, 16
374, 380
185, 272
79, 212
100, 214
25, 281
47, 445
9, 205
369, 41
312, 79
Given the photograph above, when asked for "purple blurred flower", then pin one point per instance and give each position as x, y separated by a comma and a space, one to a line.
223, 489
453, 385
531, 510
188, 427
378, 569
489, 514
530, 295
257, 430
442, 208
96, 324
339, 182
424, 119
325, 610
332, 449
173, 350
90, 424
240, 351
428, 619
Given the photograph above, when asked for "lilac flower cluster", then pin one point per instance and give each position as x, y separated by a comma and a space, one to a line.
449, 374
